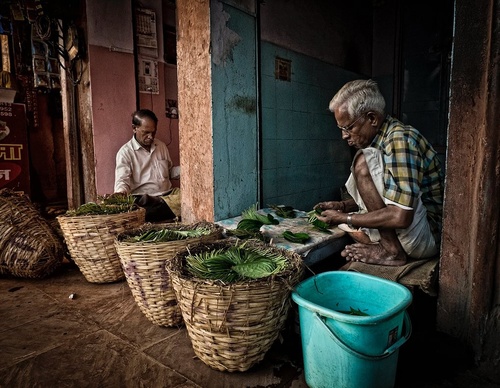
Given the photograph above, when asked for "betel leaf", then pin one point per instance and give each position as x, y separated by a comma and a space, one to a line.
249, 225
321, 226
299, 238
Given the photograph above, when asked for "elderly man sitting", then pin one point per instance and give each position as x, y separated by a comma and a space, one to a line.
144, 168
396, 183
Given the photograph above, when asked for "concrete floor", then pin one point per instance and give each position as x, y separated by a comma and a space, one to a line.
100, 338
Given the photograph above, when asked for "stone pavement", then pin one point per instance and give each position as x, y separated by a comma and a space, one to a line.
100, 338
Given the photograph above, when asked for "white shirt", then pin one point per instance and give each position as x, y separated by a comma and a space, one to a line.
139, 171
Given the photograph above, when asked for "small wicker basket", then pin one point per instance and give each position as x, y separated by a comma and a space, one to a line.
29, 246
144, 267
232, 326
90, 240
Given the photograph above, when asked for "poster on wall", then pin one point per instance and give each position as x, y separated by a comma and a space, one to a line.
145, 32
148, 76
14, 157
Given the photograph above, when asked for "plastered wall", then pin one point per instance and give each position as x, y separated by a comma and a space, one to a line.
304, 159
235, 109
195, 108
113, 85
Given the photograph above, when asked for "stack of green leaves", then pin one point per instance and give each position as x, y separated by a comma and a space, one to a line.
283, 211
236, 263
300, 238
243, 234
105, 205
251, 220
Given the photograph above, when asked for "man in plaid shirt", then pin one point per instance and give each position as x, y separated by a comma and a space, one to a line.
396, 183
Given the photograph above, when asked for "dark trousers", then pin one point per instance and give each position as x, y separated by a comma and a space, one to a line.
156, 208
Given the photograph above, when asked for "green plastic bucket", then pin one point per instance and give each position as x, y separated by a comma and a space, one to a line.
351, 327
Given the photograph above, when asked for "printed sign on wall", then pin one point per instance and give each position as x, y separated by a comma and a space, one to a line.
148, 76
14, 156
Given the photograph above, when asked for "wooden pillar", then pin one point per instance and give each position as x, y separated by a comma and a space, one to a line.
195, 110
469, 296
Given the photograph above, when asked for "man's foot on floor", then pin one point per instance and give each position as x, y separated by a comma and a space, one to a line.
372, 254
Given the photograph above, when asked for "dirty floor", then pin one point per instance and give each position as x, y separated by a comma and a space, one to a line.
100, 338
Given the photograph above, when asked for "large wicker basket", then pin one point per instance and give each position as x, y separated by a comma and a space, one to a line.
144, 267
29, 246
90, 240
232, 326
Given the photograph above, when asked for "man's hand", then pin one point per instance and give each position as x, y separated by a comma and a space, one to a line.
332, 217
330, 205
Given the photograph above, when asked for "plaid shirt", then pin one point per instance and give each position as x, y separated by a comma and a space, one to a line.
412, 168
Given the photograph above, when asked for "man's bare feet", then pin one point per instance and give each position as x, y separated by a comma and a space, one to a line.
372, 253
360, 237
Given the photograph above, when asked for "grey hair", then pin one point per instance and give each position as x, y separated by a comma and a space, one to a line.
358, 97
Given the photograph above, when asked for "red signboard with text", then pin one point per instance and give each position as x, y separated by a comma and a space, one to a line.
14, 155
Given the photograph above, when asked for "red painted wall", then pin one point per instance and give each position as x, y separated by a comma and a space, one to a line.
113, 101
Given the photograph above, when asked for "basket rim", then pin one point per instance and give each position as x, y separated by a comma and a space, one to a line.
99, 216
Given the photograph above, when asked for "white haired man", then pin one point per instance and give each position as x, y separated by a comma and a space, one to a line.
396, 183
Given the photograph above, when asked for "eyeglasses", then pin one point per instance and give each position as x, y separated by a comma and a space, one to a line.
348, 128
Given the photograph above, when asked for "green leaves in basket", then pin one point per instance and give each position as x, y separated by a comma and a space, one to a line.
317, 224
235, 263
299, 238
164, 235
113, 204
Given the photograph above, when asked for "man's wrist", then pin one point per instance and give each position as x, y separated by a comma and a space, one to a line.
349, 221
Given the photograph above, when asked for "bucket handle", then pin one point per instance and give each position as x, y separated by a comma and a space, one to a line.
390, 350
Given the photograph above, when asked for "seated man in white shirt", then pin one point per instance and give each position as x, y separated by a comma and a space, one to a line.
144, 169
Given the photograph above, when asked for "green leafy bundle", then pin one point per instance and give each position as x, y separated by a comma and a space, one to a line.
300, 238
243, 234
251, 220
235, 263
105, 205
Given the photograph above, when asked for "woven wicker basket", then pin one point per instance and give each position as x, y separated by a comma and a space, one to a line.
29, 246
144, 267
231, 327
90, 240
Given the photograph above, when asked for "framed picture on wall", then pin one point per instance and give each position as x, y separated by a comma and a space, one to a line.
148, 76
